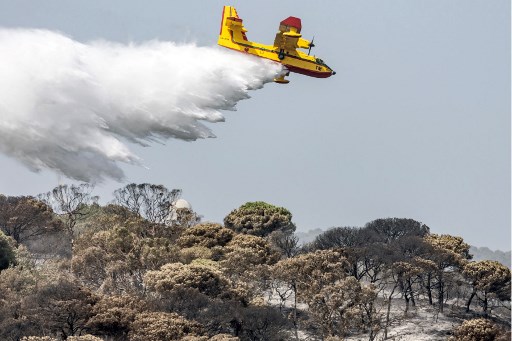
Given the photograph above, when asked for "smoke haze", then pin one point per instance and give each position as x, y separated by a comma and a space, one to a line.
73, 107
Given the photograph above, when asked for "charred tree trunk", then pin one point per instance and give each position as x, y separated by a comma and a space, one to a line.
388, 312
468, 304
429, 289
354, 270
485, 304
404, 290
295, 322
440, 293
411, 292
369, 314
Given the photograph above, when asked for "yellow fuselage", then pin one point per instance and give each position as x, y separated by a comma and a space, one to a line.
232, 35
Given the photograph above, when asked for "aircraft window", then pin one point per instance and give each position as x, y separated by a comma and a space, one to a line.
319, 61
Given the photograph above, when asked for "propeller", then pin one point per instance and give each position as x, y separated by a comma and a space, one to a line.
311, 45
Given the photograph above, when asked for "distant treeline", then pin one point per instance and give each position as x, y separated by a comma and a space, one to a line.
478, 253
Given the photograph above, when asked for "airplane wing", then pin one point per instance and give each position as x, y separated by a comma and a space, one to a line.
286, 42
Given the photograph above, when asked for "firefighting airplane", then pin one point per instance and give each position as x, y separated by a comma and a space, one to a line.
284, 51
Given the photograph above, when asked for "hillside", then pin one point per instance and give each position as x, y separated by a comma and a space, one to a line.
484, 253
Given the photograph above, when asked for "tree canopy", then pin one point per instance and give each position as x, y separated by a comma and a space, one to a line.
259, 218
7, 255
24, 218
131, 273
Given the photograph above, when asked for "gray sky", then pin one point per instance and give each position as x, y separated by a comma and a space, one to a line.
415, 124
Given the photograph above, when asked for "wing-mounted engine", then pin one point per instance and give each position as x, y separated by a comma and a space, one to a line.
289, 34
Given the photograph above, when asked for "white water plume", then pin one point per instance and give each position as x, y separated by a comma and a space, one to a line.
72, 107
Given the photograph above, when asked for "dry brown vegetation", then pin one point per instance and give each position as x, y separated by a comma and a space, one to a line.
71, 269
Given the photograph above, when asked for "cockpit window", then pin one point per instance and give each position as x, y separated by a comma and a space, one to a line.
321, 62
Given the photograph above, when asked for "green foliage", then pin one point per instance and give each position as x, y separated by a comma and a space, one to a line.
260, 219
258, 205
7, 254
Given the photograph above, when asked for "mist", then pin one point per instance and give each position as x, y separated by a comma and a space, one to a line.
75, 108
